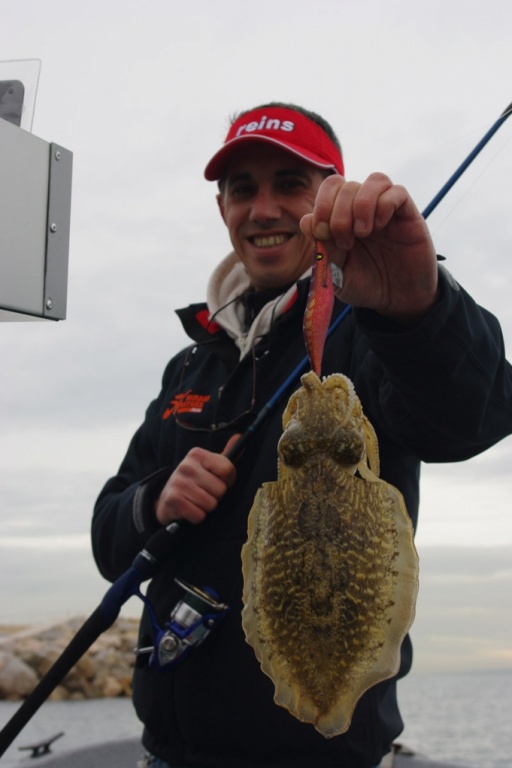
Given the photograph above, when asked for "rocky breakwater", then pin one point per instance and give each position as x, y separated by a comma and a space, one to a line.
105, 670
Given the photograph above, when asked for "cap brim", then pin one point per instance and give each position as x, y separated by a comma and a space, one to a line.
219, 162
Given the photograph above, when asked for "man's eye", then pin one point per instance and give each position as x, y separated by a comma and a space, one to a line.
290, 185
241, 190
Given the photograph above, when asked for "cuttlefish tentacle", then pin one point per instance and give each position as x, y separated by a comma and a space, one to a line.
319, 307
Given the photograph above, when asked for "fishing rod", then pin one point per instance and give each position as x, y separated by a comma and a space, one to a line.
469, 159
160, 544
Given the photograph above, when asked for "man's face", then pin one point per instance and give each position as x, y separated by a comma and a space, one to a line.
266, 194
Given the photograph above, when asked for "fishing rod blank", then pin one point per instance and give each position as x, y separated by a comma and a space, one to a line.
469, 159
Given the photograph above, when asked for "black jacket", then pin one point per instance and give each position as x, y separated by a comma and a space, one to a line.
438, 392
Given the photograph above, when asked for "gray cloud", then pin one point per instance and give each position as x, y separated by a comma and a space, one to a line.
463, 618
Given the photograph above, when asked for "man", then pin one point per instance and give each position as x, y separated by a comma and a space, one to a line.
427, 363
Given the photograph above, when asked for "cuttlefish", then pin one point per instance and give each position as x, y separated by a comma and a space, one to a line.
330, 568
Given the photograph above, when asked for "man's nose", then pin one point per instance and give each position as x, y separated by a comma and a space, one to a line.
265, 207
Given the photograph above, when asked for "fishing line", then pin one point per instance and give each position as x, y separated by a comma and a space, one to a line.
471, 185
467, 162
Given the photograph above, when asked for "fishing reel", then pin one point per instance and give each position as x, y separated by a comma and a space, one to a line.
191, 621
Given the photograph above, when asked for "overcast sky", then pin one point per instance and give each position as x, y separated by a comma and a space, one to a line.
141, 93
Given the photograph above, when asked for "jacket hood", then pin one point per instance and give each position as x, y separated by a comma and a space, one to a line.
228, 282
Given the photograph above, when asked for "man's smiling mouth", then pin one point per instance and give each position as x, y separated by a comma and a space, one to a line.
269, 241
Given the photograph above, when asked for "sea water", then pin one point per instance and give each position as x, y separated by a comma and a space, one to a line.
83, 723
461, 718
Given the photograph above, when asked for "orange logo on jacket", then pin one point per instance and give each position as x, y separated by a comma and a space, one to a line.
186, 402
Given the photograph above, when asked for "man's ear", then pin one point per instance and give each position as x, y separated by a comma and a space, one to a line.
220, 203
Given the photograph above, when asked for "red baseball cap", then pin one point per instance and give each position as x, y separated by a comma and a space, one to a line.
282, 127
